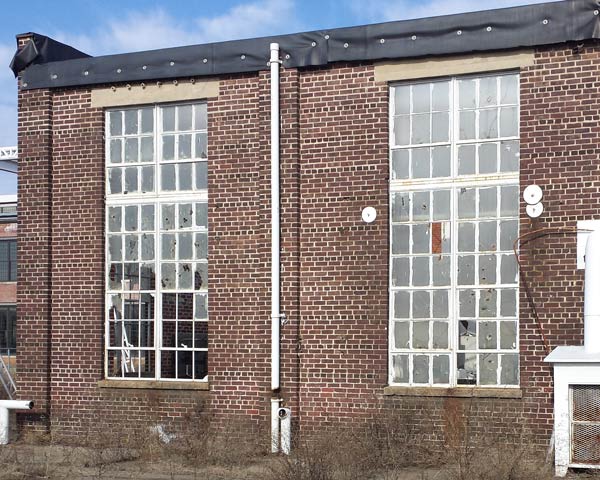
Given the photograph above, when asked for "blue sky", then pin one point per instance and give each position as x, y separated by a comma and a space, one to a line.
117, 26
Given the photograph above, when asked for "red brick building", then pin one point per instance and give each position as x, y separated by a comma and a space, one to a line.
144, 189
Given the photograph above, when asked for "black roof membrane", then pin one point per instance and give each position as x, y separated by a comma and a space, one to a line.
52, 64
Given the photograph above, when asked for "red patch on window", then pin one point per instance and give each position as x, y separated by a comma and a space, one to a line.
436, 237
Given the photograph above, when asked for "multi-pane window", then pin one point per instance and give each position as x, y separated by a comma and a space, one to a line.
8, 325
454, 217
8, 260
157, 243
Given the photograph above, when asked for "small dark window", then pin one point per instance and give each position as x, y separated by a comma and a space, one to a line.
8, 260
8, 332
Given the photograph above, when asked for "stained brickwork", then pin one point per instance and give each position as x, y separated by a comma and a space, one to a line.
334, 162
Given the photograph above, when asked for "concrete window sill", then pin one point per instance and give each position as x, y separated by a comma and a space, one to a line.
153, 385
468, 392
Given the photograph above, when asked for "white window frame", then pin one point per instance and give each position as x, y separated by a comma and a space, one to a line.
452, 183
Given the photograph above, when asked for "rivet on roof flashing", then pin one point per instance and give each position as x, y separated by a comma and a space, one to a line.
143, 85
287, 56
414, 37
243, 57
158, 84
113, 88
326, 37
144, 67
175, 82
314, 44
459, 32
489, 29
128, 87
545, 21
119, 70
382, 40
192, 80
346, 45
25, 84
54, 76
596, 12
171, 63
86, 73
204, 60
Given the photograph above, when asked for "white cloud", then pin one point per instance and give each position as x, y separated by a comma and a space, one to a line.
387, 10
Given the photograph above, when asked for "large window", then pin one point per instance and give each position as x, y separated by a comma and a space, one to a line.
8, 260
157, 243
8, 325
454, 217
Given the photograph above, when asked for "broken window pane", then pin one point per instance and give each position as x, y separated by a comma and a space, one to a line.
487, 303
420, 369
131, 278
487, 236
421, 131
466, 160
131, 180
508, 335
487, 269
488, 369
147, 277
420, 163
466, 301
167, 217
440, 304
114, 180
201, 176
466, 237
169, 306
131, 218
440, 335
509, 374
115, 276
400, 272
167, 178
168, 242
421, 206
201, 276
466, 203
400, 368
441, 271
131, 247
400, 239
467, 335
508, 269
441, 369
487, 202
488, 337
420, 275
114, 219
421, 304
402, 130
201, 335
466, 364
168, 276
400, 207
401, 334
420, 337
466, 270
400, 162
508, 303
401, 304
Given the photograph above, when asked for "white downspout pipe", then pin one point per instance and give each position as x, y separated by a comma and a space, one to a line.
275, 259
591, 306
5, 406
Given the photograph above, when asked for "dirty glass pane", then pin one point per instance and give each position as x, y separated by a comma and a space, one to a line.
487, 303
441, 161
201, 145
400, 207
168, 246
441, 270
488, 123
421, 101
421, 238
420, 163
441, 369
509, 89
508, 335
114, 219
400, 368
147, 120
116, 123
467, 335
487, 202
201, 311
466, 270
148, 278
147, 149
440, 96
200, 116
184, 114
508, 303
466, 302
131, 247
509, 373
441, 205
402, 130
114, 248
147, 217
168, 275
114, 180
131, 122
401, 304
488, 369
401, 334
421, 129
168, 117
116, 155
488, 338
167, 177
201, 276
201, 245
509, 122
184, 276
147, 246
402, 99
202, 214
466, 159
467, 94
131, 149
440, 335
400, 239
185, 146
421, 304
168, 147
400, 272
185, 215
487, 236
440, 304
420, 276
420, 369
509, 156
440, 127
131, 180
420, 336
185, 246
487, 92
421, 206
147, 179
400, 162
467, 125
466, 237
508, 234
185, 176
487, 269
466, 364
509, 201
201, 176
466, 203
488, 158
508, 269
131, 218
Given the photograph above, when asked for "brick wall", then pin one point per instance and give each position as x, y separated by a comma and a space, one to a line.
334, 162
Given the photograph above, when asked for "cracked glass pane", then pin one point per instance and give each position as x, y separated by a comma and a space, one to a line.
131, 122
509, 373
487, 303
508, 303
420, 276
147, 246
114, 180
466, 301
401, 304
488, 369
167, 221
466, 203
131, 248
116, 123
466, 237
466, 159
167, 178
400, 207
440, 335
420, 163
487, 237
131, 180
488, 94
131, 150
168, 246
116, 155
441, 369
420, 336
400, 368
131, 218
440, 304
508, 335
167, 275
441, 161
147, 217
185, 246
201, 311
466, 270
400, 164
201, 245
401, 335
114, 219
509, 156
508, 269
421, 206
400, 272
184, 276
441, 271
466, 364
147, 179
488, 337
467, 335
400, 239
114, 248
421, 369
421, 238
421, 304
487, 202
487, 269
201, 176
201, 276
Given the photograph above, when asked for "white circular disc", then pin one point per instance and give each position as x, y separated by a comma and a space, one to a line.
532, 194
369, 214
534, 211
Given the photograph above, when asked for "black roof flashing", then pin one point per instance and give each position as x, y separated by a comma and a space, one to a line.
59, 65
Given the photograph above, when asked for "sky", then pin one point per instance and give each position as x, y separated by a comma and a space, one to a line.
118, 26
